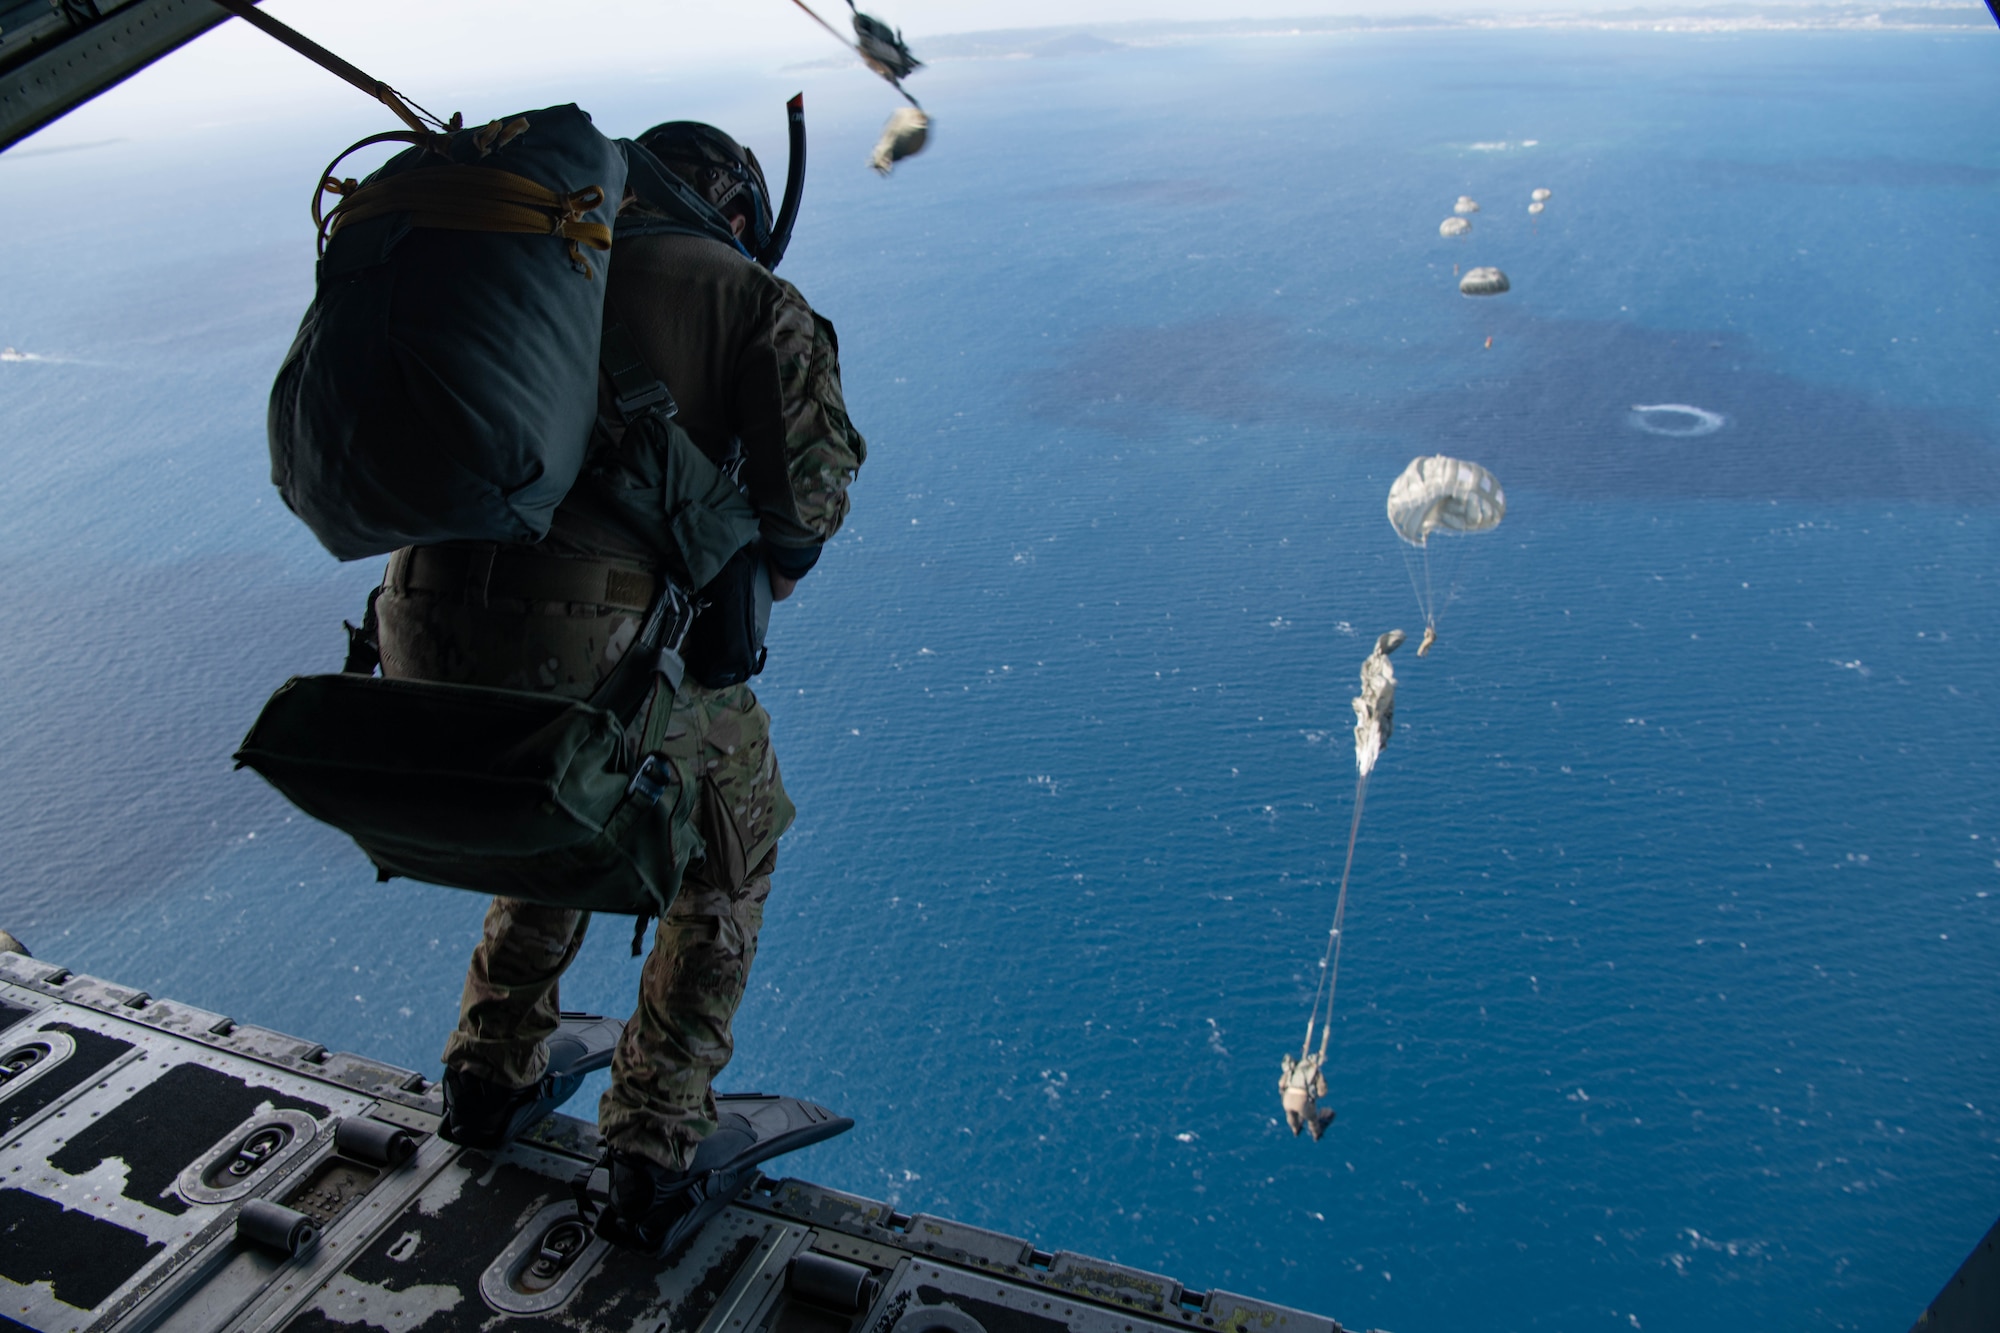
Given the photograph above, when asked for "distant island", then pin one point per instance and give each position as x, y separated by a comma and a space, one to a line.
1099, 38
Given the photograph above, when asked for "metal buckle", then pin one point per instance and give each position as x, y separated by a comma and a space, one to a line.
649, 784
651, 394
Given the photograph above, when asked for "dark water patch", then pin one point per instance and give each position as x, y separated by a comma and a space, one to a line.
1558, 415
1899, 173
1552, 408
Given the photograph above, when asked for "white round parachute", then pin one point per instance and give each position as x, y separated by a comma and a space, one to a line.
1444, 494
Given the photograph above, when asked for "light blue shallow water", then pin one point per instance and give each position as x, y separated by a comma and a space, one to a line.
1668, 998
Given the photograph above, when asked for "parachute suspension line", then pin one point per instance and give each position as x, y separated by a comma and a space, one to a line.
1430, 594
407, 111
838, 35
1421, 589
1329, 963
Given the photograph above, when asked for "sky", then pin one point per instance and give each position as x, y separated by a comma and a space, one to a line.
445, 53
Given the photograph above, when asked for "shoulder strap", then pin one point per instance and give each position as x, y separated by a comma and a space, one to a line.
637, 392
635, 389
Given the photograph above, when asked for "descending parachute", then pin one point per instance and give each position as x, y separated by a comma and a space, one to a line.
1440, 494
1444, 494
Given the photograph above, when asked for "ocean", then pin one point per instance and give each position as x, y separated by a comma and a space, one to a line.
1668, 994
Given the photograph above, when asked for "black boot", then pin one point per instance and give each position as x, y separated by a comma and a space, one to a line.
653, 1209
479, 1113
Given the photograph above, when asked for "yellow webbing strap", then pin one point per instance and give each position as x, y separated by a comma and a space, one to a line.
457, 197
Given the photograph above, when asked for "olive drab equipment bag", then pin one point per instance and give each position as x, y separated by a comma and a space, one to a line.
443, 384
499, 791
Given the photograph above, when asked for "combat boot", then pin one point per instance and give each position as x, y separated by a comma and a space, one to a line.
479, 1113
653, 1209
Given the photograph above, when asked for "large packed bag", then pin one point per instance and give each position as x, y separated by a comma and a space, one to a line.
443, 384
498, 791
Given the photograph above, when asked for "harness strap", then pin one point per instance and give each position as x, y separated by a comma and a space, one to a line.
635, 389
456, 196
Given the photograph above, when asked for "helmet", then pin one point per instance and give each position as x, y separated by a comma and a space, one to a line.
720, 170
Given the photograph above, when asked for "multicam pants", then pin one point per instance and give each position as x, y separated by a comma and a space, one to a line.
660, 1104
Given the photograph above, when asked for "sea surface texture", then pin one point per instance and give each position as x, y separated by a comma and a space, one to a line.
1668, 997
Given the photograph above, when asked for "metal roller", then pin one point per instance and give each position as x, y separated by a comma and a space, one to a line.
823, 1280
273, 1226
374, 1142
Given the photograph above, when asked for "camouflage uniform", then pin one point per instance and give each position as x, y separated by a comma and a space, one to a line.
1300, 1086
756, 375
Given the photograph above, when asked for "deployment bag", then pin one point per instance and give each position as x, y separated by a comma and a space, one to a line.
498, 791
443, 384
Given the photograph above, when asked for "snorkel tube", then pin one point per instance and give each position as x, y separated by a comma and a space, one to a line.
795, 186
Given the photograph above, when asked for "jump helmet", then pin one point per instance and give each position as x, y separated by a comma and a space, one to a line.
721, 170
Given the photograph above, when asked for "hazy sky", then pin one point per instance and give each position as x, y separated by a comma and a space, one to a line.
437, 49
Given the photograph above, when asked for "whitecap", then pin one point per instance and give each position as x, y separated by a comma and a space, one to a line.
1692, 421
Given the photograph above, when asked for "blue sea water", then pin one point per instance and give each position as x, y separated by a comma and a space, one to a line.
1668, 999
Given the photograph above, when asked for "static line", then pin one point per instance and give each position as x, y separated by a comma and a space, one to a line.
1329, 963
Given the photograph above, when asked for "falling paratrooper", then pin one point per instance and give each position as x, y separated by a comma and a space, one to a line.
883, 50
904, 136
1438, 494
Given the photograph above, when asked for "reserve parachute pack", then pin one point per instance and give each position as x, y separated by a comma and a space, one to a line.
560, 801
